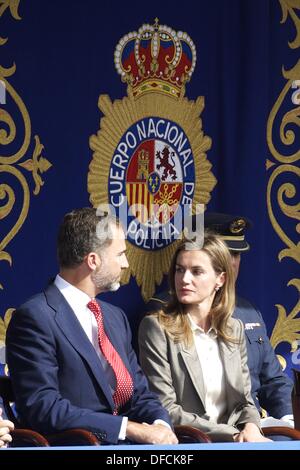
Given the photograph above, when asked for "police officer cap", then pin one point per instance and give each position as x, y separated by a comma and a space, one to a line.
231, 228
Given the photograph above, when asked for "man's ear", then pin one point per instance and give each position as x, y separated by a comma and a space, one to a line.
93, 261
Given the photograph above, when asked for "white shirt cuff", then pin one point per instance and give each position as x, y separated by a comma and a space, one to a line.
122, 433
161, 421
288, 418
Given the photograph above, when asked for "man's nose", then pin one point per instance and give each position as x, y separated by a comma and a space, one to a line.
125, 263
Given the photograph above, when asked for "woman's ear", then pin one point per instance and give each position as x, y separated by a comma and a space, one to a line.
221, 279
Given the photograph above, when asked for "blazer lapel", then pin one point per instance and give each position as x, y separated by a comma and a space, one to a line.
231, 361
71, 328
191, 360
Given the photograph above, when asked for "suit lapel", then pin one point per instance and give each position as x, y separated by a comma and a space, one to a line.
230, 357
230, 360
71, 328
191, 360
227, 352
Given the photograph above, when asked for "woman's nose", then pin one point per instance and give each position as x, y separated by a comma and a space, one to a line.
186, 277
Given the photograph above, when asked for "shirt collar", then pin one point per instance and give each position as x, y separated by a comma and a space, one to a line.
194, 327
72, 293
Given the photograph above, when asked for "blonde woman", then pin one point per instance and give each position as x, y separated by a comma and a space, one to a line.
194, 353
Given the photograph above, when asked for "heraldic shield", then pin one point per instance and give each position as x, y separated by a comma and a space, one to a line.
149, 164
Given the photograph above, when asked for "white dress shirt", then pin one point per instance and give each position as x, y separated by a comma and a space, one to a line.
212, 371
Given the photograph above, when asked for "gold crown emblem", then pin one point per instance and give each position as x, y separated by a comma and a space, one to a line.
155, 59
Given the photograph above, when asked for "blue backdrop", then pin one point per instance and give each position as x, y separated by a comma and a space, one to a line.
247, 66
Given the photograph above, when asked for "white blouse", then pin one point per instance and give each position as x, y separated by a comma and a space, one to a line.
212, 371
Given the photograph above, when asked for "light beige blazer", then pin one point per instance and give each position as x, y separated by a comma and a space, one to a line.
174, 373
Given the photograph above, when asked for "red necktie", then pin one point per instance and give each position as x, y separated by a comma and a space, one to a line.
124, 388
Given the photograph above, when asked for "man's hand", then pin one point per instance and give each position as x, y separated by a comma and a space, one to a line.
5, 427
150, 433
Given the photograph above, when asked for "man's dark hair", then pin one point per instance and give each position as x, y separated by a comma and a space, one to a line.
81, 232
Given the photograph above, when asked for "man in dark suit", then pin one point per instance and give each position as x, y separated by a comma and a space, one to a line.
271, 388
67, 372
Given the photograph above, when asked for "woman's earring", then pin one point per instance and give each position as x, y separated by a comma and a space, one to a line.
217, 288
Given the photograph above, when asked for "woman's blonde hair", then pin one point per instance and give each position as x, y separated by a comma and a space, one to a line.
173, 316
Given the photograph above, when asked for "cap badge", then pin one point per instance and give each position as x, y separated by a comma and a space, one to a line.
237, 226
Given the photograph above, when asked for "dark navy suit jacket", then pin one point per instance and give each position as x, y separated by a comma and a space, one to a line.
271, 388
57, 377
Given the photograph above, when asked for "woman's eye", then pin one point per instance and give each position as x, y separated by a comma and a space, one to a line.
179, 270
197, 272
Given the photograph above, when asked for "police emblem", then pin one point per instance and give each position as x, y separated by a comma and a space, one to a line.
149, 156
